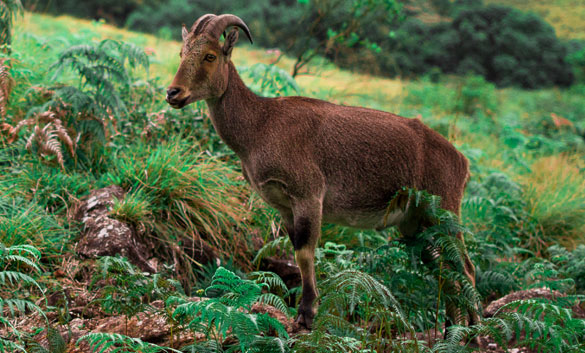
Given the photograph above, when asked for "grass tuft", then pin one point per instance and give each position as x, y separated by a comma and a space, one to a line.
555, 192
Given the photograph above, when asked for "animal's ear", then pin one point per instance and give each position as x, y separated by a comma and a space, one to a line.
230, 41
184, 32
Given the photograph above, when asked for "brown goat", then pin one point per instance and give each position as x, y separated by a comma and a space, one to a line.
315, 161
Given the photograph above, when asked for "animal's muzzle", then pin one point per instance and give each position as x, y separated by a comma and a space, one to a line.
174, 97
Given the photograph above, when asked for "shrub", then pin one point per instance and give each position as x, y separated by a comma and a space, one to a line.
476, 95
506, 46
576, 57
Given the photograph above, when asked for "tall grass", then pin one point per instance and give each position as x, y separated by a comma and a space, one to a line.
555, 191
187, 201
25, 223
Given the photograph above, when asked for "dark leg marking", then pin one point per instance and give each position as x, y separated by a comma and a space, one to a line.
302, 233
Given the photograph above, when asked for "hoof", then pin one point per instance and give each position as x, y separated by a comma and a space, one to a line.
305, 319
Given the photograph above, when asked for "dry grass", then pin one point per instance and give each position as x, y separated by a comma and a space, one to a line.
555, 193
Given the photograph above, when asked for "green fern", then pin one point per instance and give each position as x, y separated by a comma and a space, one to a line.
318, 341
227, 312
90, 112
15, 286
56, 343
495, 281
540, 324
570, 264
9, 10
129, 291
116, 343
281, 245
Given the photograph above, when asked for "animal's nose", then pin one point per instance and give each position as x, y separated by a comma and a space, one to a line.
173, 92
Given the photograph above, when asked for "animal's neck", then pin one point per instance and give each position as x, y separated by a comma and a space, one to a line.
234, 114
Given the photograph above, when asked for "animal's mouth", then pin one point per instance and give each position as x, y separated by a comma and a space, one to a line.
177, 103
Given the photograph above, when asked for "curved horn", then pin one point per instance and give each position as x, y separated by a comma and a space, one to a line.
201, 23
221, 22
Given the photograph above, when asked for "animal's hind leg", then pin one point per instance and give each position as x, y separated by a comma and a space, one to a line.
307, 229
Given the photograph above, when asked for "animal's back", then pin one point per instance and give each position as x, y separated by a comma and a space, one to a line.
363, 152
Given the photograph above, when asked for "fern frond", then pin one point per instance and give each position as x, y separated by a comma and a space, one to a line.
495, 281
16, 278
9, 346
135, 55
6, 84
207, 346
271, 280
18, 306
267, 323
12, 132
275, 301
327, 321
22, 250
280, 244
455, 336
238, 292
117, 343
320, 341
268, 345
355, 283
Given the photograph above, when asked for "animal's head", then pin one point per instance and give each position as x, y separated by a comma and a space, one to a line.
203, 72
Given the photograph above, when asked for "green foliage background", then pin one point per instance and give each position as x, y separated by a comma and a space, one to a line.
523, 212
387, 37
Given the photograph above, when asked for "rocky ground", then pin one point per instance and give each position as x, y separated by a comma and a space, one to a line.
104, 235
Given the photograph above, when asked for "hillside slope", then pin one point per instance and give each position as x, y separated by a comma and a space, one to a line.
341, 86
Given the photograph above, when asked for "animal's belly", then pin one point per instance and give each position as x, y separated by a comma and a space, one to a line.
364, 219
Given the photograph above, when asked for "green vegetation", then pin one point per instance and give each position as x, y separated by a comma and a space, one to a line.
18, 291
506, 46
409, 38
86, 111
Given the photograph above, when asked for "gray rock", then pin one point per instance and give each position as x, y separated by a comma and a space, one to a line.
106, 236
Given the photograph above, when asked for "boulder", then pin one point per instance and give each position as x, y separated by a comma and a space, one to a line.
103, 235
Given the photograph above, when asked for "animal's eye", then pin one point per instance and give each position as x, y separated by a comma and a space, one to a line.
209, 57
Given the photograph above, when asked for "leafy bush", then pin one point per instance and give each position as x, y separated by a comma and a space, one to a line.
506, 46
576, 57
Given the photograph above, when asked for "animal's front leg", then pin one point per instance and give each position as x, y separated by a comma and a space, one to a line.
307, 229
